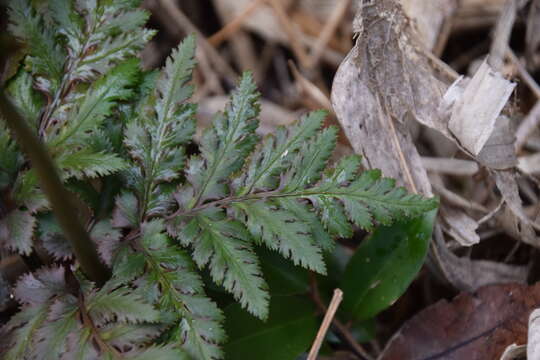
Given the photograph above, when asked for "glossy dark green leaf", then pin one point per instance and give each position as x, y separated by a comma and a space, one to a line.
288, 332
282, 276
384, 265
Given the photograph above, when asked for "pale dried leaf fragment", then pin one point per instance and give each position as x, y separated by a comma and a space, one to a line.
499, 151
475, 112
461, 227
506, 183
469, 275
514, 352
529, 164
450, 166
533, 338
429, 17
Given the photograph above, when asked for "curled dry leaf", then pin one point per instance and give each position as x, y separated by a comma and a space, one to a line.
387, 80
523, 230
460, 226
473, 326
482, 100
382, 83
470, 275
498, 152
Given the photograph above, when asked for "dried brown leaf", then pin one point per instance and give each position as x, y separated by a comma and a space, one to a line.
473, 326
469, 275
383, 83
523, 230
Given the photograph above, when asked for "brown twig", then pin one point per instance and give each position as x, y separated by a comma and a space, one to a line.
291, 32
340, 327
184, 23
234, 24
59, 198
328, 317
501, 35
326, 34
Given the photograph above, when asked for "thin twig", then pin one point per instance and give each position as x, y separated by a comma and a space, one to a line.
234, 24
501, 35
328, 317
523, 73
59, 198
289, 29
527, 126
326, 34
183, 22
343, 331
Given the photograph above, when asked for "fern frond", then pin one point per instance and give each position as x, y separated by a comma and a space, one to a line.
87, 164
114, 33
28, 102
46, 58
226, 144
59, 320
197, 320
274, 155
156, 140
279, 229
97, 104
226, 247
286, 200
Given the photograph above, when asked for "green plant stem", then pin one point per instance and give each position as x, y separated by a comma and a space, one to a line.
59, 198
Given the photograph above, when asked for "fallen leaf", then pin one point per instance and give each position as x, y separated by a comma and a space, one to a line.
380, 86
470, 275
507, 185
499, 151
473, 326
461, 227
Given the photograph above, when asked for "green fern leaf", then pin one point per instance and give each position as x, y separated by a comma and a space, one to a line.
197, 323
279, 229
46, 59
97, 104
28, 102
69, 24
115, 34
225, 146
226, 247
22, 329
156, 141
308, 164
120, 305
161, 353
275, 153
89, 164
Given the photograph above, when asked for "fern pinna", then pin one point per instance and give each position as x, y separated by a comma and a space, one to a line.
157, 214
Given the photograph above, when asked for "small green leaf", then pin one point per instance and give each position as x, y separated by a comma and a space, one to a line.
385, 264
289, 331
